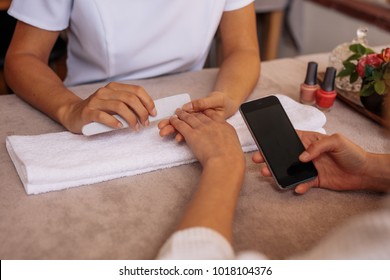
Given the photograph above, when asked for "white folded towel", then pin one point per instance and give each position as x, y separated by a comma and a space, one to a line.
62, 160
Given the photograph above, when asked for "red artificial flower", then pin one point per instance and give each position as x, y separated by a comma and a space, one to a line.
373, 60
385, 55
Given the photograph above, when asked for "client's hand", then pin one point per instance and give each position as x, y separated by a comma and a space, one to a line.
209, 136
341, 164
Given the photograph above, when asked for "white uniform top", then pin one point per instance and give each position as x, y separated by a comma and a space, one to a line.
129, 39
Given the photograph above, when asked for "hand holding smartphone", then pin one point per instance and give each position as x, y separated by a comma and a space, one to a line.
278, 141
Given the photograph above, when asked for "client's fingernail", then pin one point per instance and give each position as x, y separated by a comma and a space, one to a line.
137, 127
187, 106
147, 123
119, 125
154, 112
304, 156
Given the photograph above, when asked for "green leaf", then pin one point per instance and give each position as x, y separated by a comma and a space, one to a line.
361, 49
376, 75
366, 90
349, 65
353, 57
344, 73
380, 87
355, 48
353, 78
369, 51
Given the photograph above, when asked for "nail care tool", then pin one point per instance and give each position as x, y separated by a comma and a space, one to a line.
165, 108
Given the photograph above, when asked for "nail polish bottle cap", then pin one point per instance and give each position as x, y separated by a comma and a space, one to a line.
330, 76
311, 73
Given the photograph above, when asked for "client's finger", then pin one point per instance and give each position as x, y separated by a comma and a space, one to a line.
257, 157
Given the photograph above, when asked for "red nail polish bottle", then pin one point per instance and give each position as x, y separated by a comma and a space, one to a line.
326, 94
309, 87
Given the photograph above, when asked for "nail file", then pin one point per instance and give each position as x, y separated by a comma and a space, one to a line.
165, 108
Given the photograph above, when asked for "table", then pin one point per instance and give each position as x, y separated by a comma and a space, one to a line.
130, 218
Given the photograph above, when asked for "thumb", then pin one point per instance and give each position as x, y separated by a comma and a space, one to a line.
202, 104
305, 187
324, 145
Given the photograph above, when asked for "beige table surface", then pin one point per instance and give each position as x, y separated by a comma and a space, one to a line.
130, 218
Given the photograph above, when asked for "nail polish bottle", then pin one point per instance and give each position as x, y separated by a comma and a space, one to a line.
326, 94
309, 87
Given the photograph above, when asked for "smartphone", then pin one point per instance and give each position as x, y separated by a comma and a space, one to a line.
278, 141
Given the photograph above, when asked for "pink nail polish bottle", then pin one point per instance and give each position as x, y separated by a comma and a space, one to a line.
326, 95
309, 87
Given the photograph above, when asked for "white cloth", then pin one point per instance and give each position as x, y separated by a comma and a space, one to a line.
62, 160
201, 243
128, 40
196, 243
364, 237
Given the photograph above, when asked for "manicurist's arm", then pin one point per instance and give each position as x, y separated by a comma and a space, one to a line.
28, 74
239, 70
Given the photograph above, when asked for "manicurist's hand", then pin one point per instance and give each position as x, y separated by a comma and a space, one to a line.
341, 164
217, 101
29, 75
131, 102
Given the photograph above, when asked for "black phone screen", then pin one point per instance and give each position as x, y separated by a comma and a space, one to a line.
278, 141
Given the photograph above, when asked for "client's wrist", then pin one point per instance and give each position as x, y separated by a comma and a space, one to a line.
227, 169
227, 162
